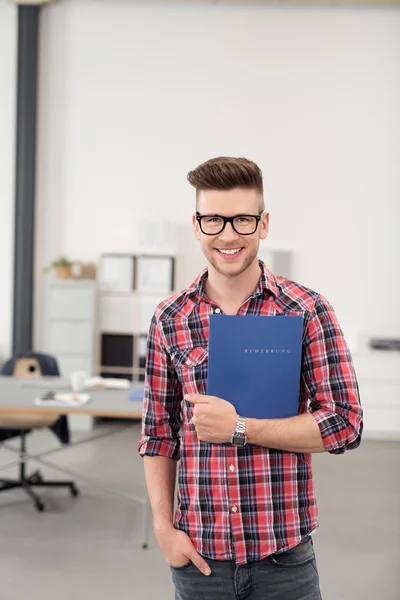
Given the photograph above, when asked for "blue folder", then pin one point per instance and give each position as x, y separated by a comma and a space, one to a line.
254, 362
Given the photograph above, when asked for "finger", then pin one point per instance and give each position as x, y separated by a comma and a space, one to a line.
199, 562
197, 398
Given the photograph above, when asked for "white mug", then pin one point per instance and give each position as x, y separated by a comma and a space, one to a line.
78, 379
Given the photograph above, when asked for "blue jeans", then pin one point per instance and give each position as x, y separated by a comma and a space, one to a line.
291, 575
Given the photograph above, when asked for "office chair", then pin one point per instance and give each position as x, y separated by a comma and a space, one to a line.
32, 365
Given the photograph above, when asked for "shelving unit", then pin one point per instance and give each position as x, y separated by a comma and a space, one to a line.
125, 314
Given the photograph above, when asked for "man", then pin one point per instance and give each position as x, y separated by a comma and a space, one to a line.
245, 515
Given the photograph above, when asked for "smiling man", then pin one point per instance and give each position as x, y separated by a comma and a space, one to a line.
245, 513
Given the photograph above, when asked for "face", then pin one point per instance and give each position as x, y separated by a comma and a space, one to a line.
229, 204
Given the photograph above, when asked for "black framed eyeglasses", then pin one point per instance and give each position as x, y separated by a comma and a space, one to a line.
215, 224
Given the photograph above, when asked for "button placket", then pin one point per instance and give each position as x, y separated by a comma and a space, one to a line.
235, 517
231, 468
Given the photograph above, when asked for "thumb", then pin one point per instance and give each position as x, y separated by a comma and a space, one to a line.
199, 562
197, 398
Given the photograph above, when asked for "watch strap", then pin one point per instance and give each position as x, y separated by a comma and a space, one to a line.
241, 426
239, 435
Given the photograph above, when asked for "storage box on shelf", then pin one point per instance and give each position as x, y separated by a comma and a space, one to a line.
122, 355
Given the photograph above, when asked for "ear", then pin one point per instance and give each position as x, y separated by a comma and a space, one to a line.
196, 227
264, 227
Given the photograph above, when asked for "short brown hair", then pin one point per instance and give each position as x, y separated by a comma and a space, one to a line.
226, 173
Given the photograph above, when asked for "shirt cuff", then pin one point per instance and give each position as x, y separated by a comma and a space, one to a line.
153, 446
333, 431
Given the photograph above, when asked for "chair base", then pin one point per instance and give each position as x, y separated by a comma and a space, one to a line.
36, 480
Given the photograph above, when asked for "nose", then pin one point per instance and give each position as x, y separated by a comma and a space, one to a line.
228, 234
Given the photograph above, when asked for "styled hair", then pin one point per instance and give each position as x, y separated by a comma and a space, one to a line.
226, 173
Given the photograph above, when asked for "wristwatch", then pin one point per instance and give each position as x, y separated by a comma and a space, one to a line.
239, 435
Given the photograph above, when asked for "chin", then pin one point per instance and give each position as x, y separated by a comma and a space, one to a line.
230, 270
232, 273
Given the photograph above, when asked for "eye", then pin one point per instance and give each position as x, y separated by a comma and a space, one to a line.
212, 220
243, 220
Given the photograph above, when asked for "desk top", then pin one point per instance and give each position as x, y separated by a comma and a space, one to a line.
17, 395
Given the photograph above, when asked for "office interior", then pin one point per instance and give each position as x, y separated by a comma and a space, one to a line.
130, 96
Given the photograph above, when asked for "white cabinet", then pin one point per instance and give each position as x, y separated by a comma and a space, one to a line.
70, 324
69, 330
378, 375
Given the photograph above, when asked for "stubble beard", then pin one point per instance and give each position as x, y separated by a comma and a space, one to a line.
232, 272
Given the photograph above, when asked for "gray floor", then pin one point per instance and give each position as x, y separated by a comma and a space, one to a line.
89, 547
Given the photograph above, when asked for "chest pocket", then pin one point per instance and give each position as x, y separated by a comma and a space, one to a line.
191, 366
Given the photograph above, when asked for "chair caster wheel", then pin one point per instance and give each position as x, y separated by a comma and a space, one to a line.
40, 506
74, 491
35, 478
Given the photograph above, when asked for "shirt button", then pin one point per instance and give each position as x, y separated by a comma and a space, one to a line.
188, 363
217, 311
234, 509
231, 468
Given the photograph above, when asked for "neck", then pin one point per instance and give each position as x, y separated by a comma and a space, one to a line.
232, 291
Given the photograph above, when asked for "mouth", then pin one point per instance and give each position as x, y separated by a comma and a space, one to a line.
229, 253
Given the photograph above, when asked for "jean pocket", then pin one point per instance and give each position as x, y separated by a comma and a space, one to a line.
182, 567
300, 555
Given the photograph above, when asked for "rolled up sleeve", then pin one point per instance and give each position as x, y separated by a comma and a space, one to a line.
162, 401
330, 381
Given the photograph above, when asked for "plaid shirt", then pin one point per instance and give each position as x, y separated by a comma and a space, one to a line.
235, 503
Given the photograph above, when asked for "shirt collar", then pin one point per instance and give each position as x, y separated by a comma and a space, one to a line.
266, 284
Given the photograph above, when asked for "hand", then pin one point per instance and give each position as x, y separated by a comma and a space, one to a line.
178, 549
214, 419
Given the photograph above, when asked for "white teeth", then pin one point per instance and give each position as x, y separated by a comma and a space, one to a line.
230, 251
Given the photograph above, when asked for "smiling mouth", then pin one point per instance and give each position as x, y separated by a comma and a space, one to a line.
229, 252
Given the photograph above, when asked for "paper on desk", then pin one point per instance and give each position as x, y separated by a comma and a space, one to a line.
110, 383
62, 399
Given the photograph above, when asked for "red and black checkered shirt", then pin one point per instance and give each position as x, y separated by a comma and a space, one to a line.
245, 503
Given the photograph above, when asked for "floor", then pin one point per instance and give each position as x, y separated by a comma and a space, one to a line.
90, 547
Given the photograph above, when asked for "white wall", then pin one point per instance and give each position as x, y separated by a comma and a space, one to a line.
134, 94
7, 132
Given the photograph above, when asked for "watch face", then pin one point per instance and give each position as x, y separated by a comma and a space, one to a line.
238, 440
